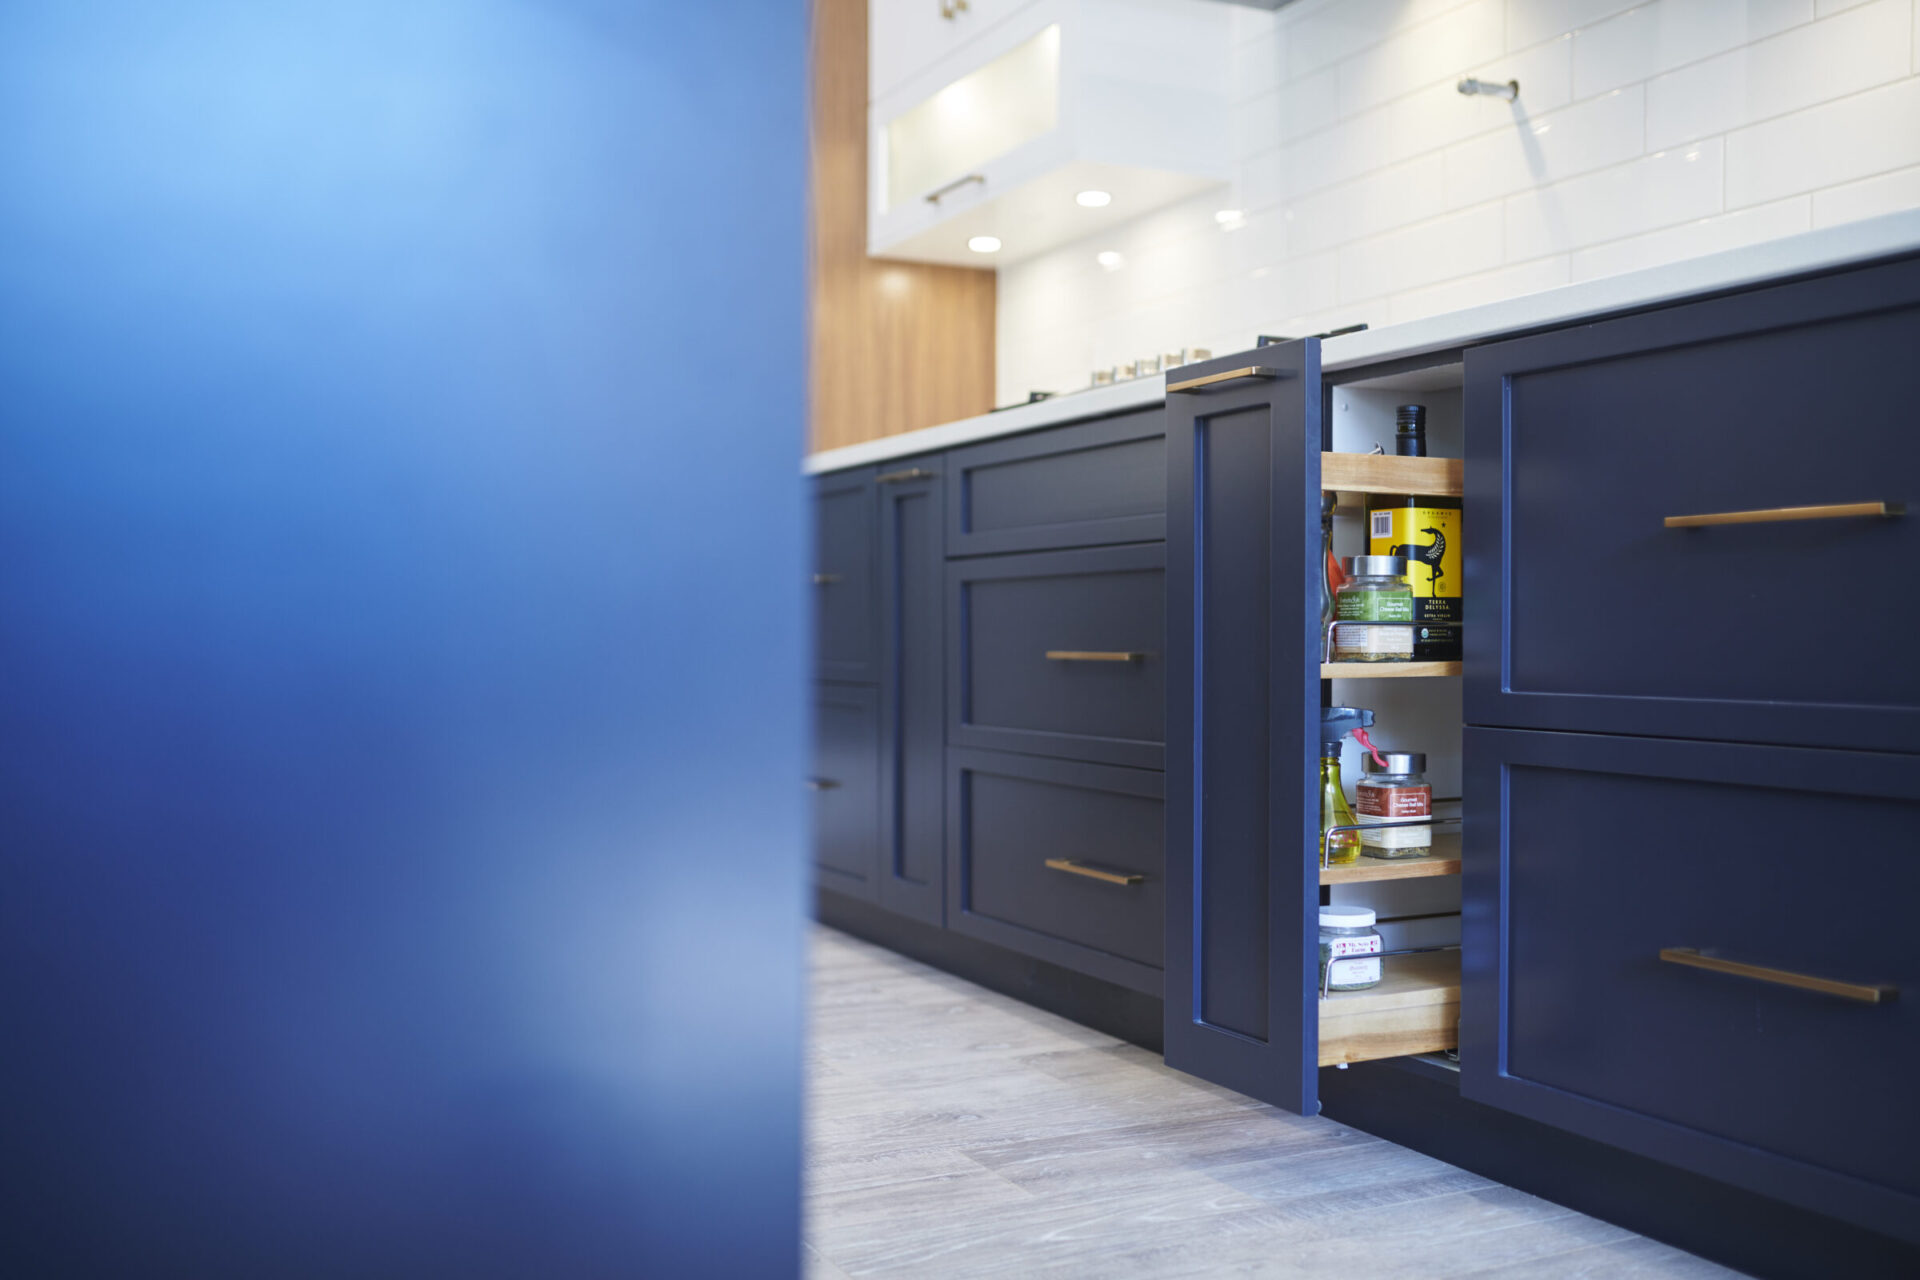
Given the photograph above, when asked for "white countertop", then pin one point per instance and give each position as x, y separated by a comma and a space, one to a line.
1793, 255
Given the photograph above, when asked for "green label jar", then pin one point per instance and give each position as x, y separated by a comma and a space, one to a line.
1375, 592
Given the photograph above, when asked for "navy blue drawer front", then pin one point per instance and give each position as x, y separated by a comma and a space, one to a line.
1100, 908
845, 535
1587, 856
1080, 486
1060, 653
845, 783
1591, 614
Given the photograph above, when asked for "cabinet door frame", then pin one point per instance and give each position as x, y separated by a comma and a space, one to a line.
963, 762
912, 693
1486, 972
1243, 699
859, 482
1083, 437
1489, 698
863, 885
1132, 752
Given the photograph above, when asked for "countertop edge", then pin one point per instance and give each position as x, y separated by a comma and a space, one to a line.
1828, 248
1095, 402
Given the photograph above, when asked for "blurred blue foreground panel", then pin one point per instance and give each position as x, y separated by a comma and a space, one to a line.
400, 562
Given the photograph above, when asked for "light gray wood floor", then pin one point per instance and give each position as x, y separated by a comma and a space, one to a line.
954, 1132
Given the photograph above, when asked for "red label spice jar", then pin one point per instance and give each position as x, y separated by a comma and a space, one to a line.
1393, 785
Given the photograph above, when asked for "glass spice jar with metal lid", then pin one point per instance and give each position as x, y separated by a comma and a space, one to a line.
1349, 949
1374, 611
1393, 788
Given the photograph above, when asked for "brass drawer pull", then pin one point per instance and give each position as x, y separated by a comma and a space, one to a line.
1073, 868
1875, 993
825, 579
1095, 655
1777, 515
821, 784
902, 477
1226, 375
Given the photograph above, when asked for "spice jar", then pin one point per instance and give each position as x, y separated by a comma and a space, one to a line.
1375, 592
1349, 949
1399, 791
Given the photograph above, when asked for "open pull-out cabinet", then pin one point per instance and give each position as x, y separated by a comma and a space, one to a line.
1246, 465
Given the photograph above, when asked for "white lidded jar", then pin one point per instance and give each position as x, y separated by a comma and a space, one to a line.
1349, 949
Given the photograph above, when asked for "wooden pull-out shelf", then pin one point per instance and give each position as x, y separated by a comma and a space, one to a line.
1386, 670
1415, 1009
1387, 473
1443, 861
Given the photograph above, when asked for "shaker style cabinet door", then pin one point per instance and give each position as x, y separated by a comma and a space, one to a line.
843, 554
1060, 653
1703, 522
845, 784
1701, 952
912, 702
1243, 697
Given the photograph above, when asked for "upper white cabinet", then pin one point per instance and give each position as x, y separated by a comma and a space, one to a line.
905, 37
996, 129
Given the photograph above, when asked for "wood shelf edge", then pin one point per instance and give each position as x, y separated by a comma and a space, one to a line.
1386, 670
1388, 473
1415, 1009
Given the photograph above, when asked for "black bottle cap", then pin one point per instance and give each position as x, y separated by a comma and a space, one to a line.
1410, 431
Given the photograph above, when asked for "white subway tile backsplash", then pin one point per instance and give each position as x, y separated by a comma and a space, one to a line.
1375, 192
1423, 55
1560, 144
1472, 291
1813, 63
1530, 21
1666, 34
1458, 244
1868, 198
1380, 201
1654, 191
1826, 145
1693, 239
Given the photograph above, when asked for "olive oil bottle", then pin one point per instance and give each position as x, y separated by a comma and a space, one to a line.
1426, 530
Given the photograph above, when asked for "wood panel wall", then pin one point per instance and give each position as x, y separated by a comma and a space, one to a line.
896, 345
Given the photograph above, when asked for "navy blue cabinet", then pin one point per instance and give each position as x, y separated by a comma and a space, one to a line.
1702, 952
1086, 485
1058, 859
912, 704
1591, 613
1060, 653
845, 783
845, 630
1243, 693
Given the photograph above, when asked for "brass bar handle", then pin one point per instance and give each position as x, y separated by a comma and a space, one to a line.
1095, 655
1226, 375
1778, 515
940, 193
902, 477
1073, 868
1866, 993
825, 579
821, 784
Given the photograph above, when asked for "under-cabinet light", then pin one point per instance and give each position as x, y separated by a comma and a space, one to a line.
1110, 259
984, 244
1093, 199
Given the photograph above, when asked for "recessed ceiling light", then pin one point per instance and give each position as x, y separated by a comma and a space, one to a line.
984, 244
1110, 259
1230, 219
1093, 199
